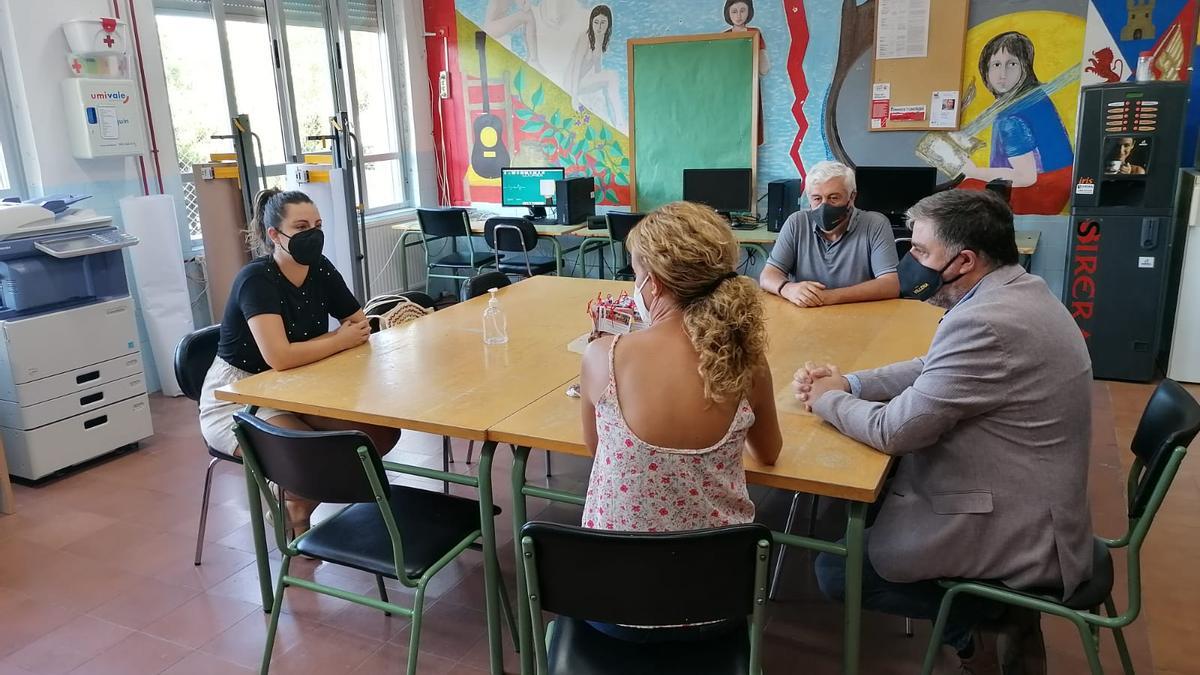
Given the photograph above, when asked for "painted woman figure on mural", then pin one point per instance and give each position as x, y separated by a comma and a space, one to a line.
1029, 146
505, 17
588, 82
738, 14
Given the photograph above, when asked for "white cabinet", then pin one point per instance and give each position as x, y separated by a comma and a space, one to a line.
71, 387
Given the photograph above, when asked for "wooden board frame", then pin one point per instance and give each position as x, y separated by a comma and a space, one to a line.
913, 80
756, 96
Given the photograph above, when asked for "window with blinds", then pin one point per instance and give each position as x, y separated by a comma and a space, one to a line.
361, 14
304, 109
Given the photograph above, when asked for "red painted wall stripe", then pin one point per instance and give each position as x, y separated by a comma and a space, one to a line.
797, 22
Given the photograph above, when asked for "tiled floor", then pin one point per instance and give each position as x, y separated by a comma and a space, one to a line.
96, 575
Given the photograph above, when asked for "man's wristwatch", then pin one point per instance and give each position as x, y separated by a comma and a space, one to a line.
779, 291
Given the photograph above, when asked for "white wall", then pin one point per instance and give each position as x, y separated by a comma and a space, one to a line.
34, 50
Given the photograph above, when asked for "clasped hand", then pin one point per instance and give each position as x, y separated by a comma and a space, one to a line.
812, 381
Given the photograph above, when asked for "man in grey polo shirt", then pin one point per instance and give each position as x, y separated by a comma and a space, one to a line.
833, 253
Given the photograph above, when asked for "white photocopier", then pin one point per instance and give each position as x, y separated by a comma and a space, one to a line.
71, 380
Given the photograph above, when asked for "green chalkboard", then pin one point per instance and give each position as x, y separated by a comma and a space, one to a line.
693, 101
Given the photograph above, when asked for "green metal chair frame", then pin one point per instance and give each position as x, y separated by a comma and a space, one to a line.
484, 260
373, 469
1088, 623
542, 633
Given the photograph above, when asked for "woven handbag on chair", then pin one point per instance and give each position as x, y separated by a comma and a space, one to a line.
388, 311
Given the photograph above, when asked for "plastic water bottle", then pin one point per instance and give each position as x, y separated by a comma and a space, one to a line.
495, 325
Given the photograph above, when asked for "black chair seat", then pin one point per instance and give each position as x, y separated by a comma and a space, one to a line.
224, 455
515, 264
430, 525
462, 260
576, 648
626, 271
1091, 593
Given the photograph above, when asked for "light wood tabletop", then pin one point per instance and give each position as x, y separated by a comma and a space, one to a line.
435, 374
816, 458
543, 230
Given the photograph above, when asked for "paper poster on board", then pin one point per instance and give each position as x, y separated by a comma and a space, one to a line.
943, 110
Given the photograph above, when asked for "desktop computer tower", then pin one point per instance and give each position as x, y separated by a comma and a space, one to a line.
575, 200
783, 199
1123, 237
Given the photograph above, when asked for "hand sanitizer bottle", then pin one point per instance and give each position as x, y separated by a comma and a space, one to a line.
495, 325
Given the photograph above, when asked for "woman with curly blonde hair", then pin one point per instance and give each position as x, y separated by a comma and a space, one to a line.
668, 411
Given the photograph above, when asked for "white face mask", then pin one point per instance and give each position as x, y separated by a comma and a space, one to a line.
643, 309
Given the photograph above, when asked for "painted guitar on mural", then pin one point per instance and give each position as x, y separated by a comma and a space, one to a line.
489, 154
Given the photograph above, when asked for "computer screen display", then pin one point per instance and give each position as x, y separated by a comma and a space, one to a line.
723, 189
893, 189
529, 187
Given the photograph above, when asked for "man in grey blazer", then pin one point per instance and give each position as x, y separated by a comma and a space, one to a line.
992, 427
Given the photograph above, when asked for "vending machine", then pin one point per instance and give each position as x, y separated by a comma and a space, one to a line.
1123, 230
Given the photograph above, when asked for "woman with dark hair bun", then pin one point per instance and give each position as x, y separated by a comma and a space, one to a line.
277, 318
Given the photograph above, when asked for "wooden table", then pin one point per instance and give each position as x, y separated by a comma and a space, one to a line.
816, 458
410, 235
435, 375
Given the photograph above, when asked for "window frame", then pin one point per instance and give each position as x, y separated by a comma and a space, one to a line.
341, 57
13, 163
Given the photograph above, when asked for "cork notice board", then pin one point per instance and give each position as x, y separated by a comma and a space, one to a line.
917, 92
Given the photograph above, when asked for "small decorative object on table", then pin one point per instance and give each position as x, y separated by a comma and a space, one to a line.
613, 316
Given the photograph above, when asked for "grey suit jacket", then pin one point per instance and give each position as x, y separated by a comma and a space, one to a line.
994, 425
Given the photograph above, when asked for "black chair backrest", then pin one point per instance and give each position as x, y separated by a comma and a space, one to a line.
621, 224
1171, 420
480, 283
194, 355
646, 579
515, 234
444, 222
903, 246
323, 466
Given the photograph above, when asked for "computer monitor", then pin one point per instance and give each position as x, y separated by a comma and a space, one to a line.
532, 187
892, 190
725, 190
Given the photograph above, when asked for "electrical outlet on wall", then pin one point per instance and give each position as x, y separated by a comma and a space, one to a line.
444, 84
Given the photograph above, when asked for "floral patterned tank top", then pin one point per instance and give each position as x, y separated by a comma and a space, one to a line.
639, 487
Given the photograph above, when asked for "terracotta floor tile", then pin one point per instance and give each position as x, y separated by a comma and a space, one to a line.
243, 643
448, 630
200, 619
66, 528
147, 601
113, 544
327, 652
390, 659
138, 654
68, 647
24, 619
199, 663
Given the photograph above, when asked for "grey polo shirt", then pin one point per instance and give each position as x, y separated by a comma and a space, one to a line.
866, 251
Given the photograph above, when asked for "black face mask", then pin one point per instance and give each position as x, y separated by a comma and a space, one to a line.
306, 246
918, 282
828, 217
